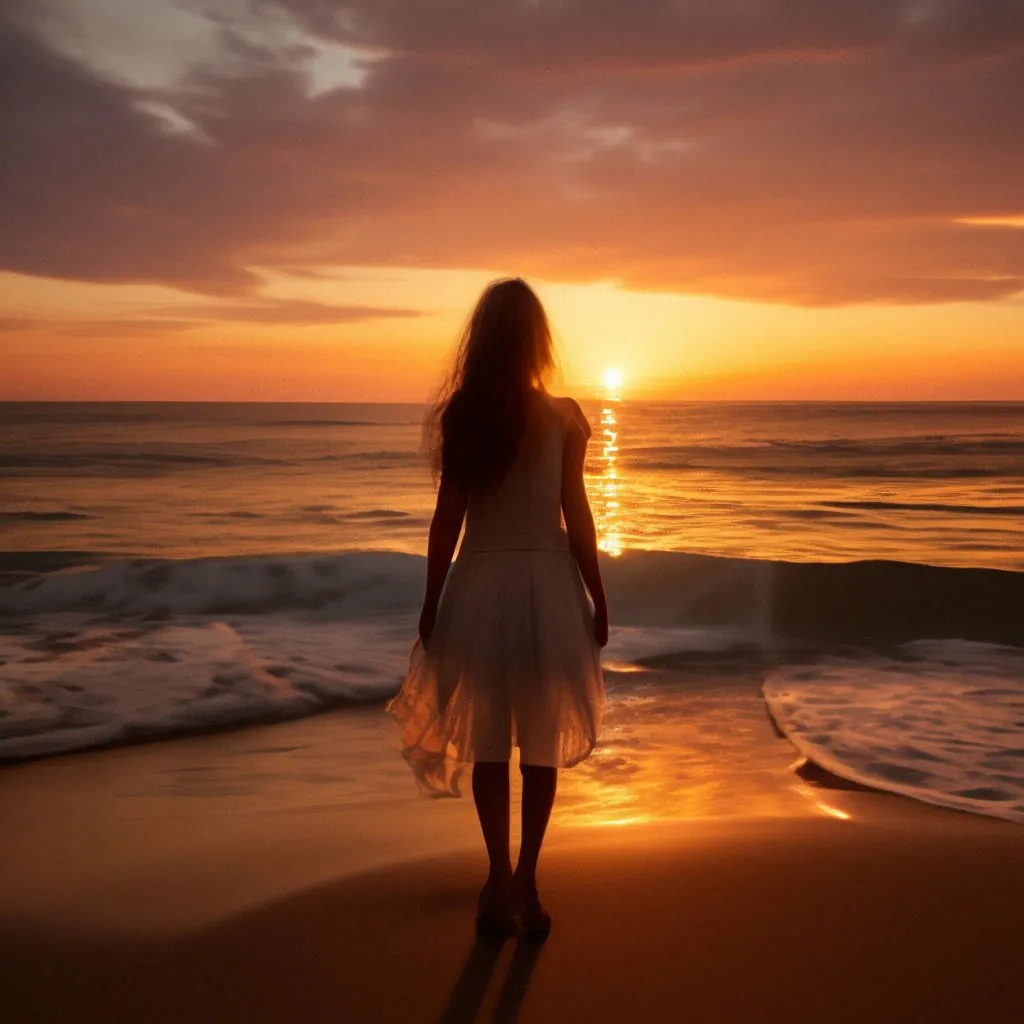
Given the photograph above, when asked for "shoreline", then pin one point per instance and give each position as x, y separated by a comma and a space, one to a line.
292, 872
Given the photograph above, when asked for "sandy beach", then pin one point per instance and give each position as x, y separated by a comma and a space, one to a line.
290, 873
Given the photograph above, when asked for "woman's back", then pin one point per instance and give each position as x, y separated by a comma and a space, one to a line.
524, 510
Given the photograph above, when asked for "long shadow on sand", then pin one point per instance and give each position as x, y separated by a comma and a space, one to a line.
474, 980
910, 916
359, 950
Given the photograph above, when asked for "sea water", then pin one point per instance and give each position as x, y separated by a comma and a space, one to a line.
182, 566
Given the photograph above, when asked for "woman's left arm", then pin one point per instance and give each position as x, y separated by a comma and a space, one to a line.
445, 527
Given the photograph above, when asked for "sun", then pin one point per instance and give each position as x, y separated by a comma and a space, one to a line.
612, 378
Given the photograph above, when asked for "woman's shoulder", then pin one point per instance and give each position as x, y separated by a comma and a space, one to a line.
571, 414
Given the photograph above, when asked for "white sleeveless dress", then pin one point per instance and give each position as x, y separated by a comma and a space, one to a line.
512, 660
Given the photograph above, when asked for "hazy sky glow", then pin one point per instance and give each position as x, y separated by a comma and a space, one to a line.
300, 199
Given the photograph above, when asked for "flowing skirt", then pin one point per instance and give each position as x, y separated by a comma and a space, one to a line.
512, 661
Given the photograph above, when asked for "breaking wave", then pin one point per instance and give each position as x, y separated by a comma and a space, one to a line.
127, 650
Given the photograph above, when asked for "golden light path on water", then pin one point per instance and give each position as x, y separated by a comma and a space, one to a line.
608, 485
679, 744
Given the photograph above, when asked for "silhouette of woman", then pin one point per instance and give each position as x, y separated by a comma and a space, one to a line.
508, 652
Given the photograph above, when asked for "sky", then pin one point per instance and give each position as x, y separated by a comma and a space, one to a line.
299, 200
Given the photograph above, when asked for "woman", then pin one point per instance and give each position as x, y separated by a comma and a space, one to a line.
509, 645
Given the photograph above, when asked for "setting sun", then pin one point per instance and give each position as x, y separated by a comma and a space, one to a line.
612, 378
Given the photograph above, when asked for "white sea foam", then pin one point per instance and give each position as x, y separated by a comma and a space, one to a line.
944, 723
68, 684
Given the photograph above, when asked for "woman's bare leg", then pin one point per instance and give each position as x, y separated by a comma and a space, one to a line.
539, 785
491, 796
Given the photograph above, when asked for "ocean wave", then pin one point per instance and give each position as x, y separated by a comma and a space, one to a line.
649, 588
338, 423
136, 463
923, 506
219, 517
44, 516
828, 471
854, 602
242, 414
357, 583
903, 457
127, 461
375, 514
903, 445
402, 458
128, 650
83, 414
35, 564
925, 444
944, 723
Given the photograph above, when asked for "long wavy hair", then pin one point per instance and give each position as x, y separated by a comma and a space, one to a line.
474, 430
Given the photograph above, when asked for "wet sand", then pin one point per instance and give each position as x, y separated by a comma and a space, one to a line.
288, 873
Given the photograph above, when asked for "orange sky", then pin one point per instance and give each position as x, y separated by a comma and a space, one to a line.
779, 201
90, 342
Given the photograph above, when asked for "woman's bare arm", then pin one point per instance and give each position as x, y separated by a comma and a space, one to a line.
579, 525
445, 527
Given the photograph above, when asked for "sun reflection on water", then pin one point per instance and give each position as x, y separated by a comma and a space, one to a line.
679, 745
608, 483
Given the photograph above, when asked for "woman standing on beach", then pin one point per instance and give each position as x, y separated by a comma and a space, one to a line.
510, 654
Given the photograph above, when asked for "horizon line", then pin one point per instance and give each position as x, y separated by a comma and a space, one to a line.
582, 397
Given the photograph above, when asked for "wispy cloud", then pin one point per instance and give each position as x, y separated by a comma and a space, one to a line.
289, 312
171, 319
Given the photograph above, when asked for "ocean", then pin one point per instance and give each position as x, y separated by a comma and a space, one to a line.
172, 567
937, 484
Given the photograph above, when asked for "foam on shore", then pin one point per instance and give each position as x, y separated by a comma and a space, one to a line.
943, 722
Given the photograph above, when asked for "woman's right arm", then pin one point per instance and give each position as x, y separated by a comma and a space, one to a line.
579, 521
445, 528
